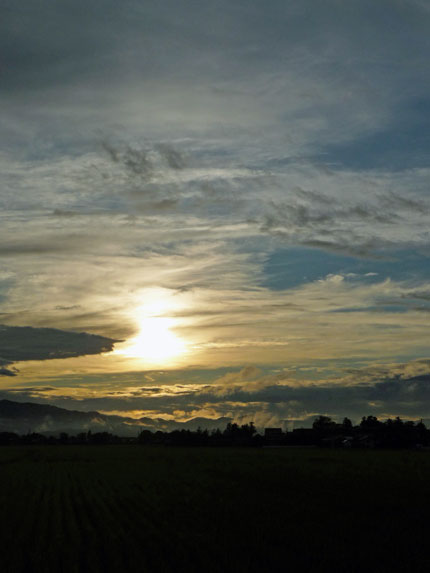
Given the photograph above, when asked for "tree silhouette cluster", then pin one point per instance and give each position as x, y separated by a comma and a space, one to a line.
83, 438
325, 432
245, 435
371, 432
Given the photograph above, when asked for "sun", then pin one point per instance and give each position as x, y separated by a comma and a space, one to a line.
156, 342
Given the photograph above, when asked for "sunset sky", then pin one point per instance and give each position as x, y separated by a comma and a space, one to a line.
233, 194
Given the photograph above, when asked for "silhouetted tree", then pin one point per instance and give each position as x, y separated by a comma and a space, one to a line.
145, 437
231, 430
392, 433
82, 437
323, 426
370, 423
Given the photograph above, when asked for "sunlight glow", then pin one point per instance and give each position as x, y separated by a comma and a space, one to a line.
155, 343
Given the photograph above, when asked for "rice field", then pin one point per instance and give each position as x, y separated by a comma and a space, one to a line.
138, 508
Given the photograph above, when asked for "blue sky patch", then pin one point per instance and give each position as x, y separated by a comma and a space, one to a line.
289, 268
404, 144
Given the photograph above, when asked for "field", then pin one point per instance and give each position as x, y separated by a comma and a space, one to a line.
131, 508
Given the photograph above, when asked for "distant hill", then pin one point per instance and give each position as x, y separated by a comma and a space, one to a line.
24, 417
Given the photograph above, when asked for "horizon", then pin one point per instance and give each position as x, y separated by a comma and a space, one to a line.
31, 419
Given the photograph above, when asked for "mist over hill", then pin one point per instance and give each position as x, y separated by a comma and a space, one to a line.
24, 417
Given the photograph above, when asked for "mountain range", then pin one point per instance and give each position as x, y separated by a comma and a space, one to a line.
27, 417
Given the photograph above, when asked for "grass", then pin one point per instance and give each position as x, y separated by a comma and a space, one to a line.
130, 508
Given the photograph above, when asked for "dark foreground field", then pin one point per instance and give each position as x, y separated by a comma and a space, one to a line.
131, 508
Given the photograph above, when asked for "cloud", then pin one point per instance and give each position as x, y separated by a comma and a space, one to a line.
357, 215
7, 371
238, 69
246, 374
173, 158
272, 397
135, 161
19, 344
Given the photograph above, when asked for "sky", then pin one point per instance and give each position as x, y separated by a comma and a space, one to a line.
222, 207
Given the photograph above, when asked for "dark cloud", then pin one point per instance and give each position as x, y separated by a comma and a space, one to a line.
142, 162
344, 244
58, 243
65, 213
394, 200
19, 343
365, 217
136, 161
420, 295
389, 396
173, 158
394, 396
314, 218
7, 371
164, 204
30, 389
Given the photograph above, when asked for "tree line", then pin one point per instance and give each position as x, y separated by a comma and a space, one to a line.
325, 432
